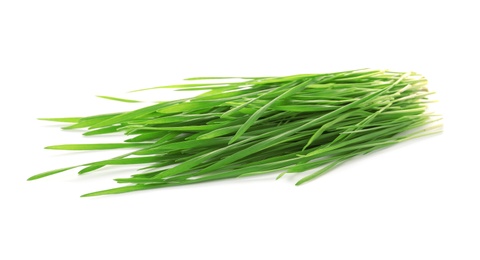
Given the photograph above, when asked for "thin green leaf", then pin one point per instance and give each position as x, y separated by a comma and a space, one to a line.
96, 146
62, 119
45, 174
252, 119
119, 99
182, 86
101, 131
320, 172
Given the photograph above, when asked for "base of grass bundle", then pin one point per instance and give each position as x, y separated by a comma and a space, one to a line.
258, 125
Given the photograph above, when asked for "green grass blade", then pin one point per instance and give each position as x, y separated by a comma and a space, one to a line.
181, 86
252, 119
119, 99
62, 119
121, 190
101, 131
45, 174
91, 120
104, 146
320, 172
121, 118
188, 106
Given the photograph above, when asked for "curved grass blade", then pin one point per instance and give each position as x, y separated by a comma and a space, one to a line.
253, 118
120, 118
181, 86
119, 99
320, 172
101, 131
62, 119
45, 174
122, 190
96, 146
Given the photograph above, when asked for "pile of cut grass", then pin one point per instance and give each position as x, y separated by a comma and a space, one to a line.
259, 125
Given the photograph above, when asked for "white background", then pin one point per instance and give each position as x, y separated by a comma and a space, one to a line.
418, 200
